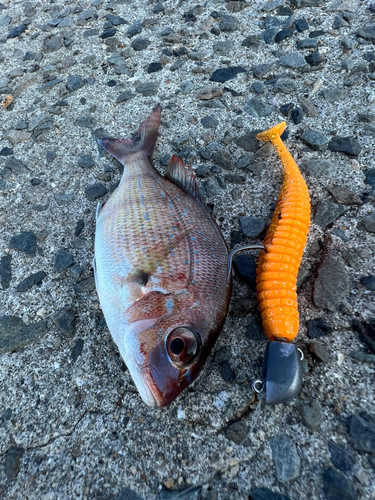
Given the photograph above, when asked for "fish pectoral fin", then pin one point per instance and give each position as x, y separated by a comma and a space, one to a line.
151, 305
95, 273
138, 276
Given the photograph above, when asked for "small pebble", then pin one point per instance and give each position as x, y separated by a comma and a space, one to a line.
77, 350
252, 226
5, 271
314, 139
347, 145
65, 321
245, 266
286, 458
312, 415
314, 59
337, 486
25, 242
317, 328
320, 351
95, 191
225, 74
30, 281
341, 458
63, 260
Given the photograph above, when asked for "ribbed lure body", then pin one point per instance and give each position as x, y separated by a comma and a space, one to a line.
285, 242
160, 269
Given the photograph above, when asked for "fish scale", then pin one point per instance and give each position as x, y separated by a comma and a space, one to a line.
160, 265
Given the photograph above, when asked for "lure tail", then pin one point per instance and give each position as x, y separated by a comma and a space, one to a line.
144, 140
272, 132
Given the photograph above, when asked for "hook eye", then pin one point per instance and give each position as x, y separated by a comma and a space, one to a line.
182, 346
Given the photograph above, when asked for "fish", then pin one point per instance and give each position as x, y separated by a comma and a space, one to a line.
160, 268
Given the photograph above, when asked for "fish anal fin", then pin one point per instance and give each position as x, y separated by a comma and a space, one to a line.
144, 140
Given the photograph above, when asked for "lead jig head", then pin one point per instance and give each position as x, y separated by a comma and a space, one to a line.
281, 373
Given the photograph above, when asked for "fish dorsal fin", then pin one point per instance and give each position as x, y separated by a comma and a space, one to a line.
183, 177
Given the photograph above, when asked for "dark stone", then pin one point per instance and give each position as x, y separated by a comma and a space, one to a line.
337, 487
286, 458
5, 271
79, 227
367, 32
344, 195
237, 432
35, 181
252, 226
53, 43
243, 306
125, 96
227, 372
16, 166
316, 33
108, 33
257, 108
312, 415
296, 115
340, 456
148, 88
235, 178
314, 59
317, 328
12, 462
14, 334
209, 122
362, 433
286, 109
134, 29
139, 44
320, 351
332, 284
30, 281
6, 151
77, 349
269, 35
248, 141
301, 25
255, 330
50, 156
159, 7
128, 494
307, 43
369, 222
115, 20
245, 266
95, 191
283, 34
283, 85
154, 67
63, 260
85, 122
223, 159
266, 494
370, 177
249, 41
314, 139
368, 281
25, 242
86, 285
17, 31
347, 145
74, 82
225, 74
65, 321
327, 212
85, 161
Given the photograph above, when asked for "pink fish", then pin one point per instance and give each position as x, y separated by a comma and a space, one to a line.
160, 269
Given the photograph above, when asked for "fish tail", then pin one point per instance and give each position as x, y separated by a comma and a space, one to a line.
269, 134
144, 139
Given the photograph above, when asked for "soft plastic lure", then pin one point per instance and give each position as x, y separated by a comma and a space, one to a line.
277, 270
284, 243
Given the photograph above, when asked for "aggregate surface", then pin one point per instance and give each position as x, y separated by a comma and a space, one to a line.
71, 422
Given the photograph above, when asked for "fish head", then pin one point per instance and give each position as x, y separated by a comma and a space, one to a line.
172, 358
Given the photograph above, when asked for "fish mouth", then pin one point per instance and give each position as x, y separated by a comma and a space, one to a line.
158, 399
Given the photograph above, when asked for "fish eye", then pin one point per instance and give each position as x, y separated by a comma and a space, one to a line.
182, 346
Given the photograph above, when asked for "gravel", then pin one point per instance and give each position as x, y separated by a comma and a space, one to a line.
71, 422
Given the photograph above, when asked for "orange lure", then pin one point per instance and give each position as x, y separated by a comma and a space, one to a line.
284, 242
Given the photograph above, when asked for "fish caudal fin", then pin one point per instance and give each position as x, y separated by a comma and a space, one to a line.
144, 140
267, 135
